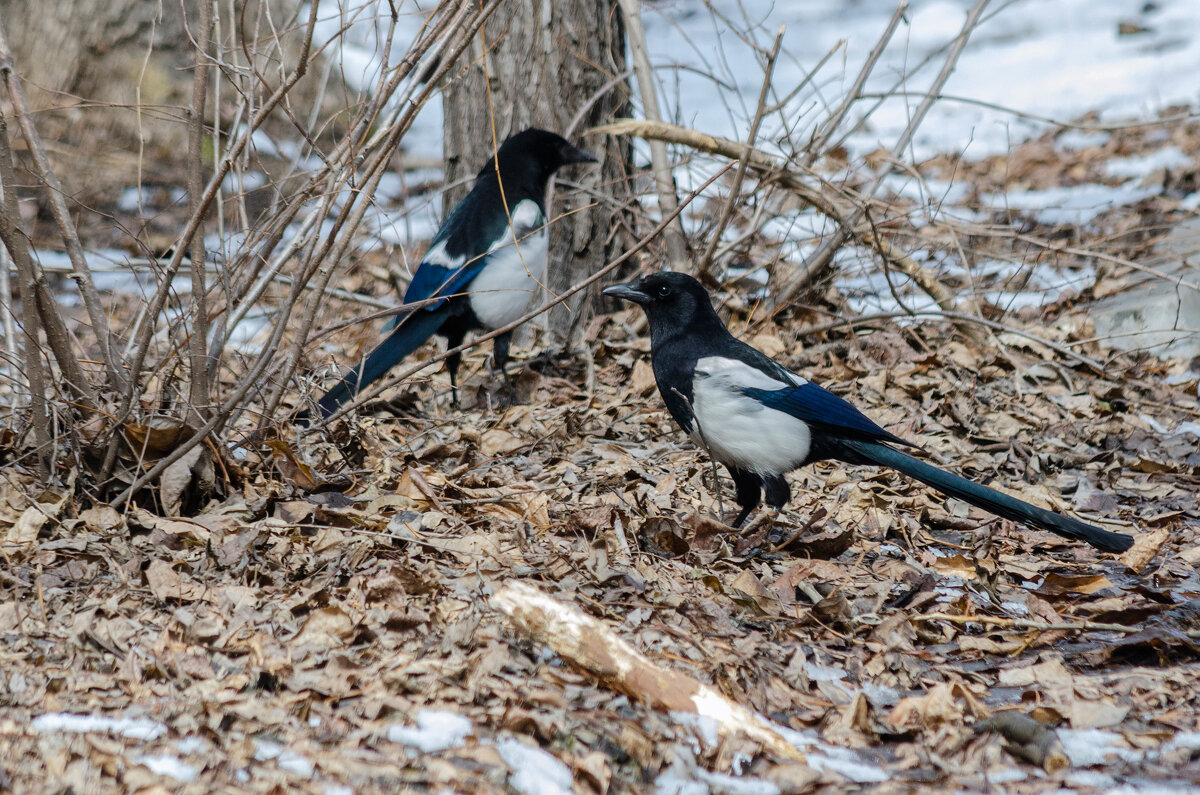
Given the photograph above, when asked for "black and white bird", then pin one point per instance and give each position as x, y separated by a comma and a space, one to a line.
485, 264
761, 420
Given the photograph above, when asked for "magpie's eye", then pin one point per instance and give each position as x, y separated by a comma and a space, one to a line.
663, 290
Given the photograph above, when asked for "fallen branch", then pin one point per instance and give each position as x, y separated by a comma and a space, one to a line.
1028, 739
1024, 623
591, 645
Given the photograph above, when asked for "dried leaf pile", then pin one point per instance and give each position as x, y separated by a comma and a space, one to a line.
334, 625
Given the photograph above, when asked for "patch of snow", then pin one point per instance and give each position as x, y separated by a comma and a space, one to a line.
1015, 608
436, 730
1089, 747
129, 200
1074, 205
1189, 740
239, 181
927, 191
1062, 62
534, 771
337, 789
288, 760
167, 765
1154, 424
191, 745
735, 785
675, 781
133, 728
880, 695
1142, 166
1007, 775
707, 731
846, 763
843, 761
247, 336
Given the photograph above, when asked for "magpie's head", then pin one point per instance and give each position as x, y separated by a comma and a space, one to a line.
540, 151
670, 299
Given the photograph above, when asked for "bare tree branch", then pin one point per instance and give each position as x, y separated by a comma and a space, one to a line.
62, 216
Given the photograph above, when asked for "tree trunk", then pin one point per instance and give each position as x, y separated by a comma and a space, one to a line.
545, 61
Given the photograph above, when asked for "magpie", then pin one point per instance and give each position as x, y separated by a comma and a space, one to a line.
485, 264
761, 420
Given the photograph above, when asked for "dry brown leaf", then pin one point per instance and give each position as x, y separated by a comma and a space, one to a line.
498, 441
1058, 584
944, 703
641, 380
177, 477
956, 566
166, 583
1145, 547
748, 591
1051, 673
594, 771
1097, 714
325, 628
102, 519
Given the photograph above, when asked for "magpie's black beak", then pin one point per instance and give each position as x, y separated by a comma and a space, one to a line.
627, 291
574, 155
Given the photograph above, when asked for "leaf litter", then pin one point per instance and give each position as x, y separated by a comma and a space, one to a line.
332, 624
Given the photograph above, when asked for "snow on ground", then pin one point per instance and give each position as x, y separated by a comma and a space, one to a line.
1051, 58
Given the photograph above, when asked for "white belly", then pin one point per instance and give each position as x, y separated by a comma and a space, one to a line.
515, 273
739, 430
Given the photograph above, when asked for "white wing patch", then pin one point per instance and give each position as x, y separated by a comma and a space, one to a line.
739, 373
438, 256
515, 272
739, 430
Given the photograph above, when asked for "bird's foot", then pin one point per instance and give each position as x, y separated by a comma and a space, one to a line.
756, 540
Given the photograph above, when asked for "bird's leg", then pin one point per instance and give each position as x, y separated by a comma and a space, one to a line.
452, 362
749, 492
454, 338
777, 495
500, 346
777, 491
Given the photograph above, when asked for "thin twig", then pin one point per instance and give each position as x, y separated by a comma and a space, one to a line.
816, 146
712, 460
866, 320
199, 386
744, 160
1024, 623
824, 255
62, 217
659, 162
17, 245
33, 284
776, 168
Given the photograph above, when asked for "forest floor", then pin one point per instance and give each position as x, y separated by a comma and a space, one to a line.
330, 624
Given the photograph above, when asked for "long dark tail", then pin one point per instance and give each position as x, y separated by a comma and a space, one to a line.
404, 339
985, 498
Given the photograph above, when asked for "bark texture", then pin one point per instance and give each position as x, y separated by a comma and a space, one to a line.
537, 64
